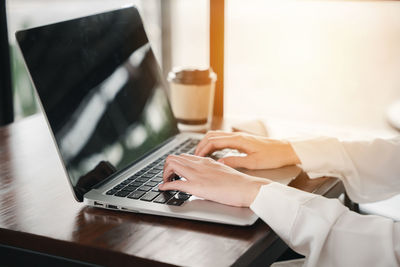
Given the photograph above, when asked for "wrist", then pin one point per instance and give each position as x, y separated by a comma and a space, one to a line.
292, 158
254, 185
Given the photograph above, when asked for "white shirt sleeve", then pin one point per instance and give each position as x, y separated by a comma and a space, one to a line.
370, 170
325, 231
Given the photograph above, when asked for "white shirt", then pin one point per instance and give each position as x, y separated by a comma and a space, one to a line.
324, 230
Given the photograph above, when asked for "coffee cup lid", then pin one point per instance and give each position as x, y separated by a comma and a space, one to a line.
192, 75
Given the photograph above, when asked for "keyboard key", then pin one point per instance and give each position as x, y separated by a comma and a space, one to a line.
169, 192
125, 182
136, 194
139, 173
150, 196
163, 198
142, 180
146, 169
123, 193
175, 202
152, 171
159, 167
137, 184
194, 142
147, 175
152, 184
111, 192
144, 188
130, 188
119, 187
182, 196
157, 179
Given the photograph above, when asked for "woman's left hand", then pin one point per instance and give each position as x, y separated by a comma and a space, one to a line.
211, 180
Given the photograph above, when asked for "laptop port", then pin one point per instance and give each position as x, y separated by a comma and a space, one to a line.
112, 207
98, 204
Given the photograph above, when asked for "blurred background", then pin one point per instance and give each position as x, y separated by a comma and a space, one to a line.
325, 62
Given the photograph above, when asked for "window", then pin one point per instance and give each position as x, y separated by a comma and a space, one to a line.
315, 61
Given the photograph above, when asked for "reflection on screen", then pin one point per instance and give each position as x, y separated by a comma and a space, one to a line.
99, 85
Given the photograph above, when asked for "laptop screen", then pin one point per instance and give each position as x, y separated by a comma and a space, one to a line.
101, 90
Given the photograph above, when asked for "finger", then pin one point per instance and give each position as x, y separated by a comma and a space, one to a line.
238, 162
179, 185
218, 143
209, 134
169, 172
168, 175
172, 172
177, 165
191, 157
182, 157
204, 140
170, 158
198, 160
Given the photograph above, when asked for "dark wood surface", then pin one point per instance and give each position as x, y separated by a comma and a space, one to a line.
39, 213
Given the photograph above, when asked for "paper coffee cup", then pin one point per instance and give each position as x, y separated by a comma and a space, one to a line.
192, 97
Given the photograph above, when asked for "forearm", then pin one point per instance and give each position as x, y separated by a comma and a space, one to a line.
370, 170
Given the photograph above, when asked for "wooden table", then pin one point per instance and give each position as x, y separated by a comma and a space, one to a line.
39, 215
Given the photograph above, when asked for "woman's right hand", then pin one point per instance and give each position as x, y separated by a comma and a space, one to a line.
261, 152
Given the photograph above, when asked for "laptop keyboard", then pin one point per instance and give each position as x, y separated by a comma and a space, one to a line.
143, 184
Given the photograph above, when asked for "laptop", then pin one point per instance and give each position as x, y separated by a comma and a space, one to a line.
104, 99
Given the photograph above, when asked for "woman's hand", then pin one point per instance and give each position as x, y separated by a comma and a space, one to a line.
262, 153
211, 180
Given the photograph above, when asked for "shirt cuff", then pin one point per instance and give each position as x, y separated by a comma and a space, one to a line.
320, 156
278, 205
